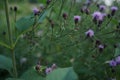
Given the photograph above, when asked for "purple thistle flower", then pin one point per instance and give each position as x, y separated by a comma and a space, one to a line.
112, 63
117, 59
48, 70
36, 11
90, 33
102, 7
101, 47
77, 19
113, 10
98, 16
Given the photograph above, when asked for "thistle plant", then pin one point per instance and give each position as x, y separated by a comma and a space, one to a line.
62, 40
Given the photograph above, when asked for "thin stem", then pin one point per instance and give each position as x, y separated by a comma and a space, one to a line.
8, 21
10, 39
14, 63
62, 5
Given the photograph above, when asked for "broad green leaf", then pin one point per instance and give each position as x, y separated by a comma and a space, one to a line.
31, 74
24, 23
62, 74
13, 79
5, 63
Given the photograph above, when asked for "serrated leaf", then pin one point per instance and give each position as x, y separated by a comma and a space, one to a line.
5, 63
24, 23
62, 74
31, 74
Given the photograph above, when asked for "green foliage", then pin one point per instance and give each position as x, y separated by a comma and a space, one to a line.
42, 16
62, 74
25, 23
117, 51
31, 74
5, 63
49, 38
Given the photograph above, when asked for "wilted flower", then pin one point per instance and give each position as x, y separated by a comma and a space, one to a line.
90, 33
54, 66
37, 67
112, 63
36, 11
77, 19
87, 11
48, 70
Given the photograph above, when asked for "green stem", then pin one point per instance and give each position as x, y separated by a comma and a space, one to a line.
10, 39
62, 5
8, 21
14, 63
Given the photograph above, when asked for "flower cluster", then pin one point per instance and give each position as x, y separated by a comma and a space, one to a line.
114, 62
49, 69
45, 70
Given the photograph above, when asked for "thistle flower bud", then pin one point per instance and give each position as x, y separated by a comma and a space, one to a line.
65, 16
48, 2
15, 8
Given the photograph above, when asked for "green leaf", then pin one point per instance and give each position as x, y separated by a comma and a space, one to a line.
24, 23
114, 21
13, 79
42, 16
117, 52
31, 74
5, 63
62, 74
